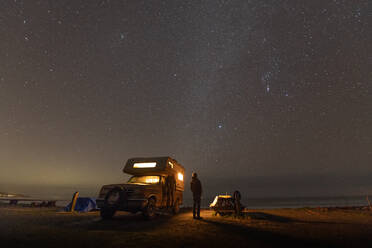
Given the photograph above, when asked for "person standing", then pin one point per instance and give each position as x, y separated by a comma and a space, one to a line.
237, 205
196, 189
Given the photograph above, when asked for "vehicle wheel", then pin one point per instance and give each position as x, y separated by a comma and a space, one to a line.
149, 211
107, 212
176, 207
111, 203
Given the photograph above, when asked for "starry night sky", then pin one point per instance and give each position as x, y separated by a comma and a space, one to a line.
271, 95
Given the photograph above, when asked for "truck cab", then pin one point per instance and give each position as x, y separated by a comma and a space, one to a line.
156, 184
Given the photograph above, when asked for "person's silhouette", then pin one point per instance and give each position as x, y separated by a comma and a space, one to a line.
196, 189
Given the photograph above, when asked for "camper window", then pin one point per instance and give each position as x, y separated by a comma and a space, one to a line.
144, 180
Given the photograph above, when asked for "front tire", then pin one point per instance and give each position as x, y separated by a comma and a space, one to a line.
107, 212
149, 211
112, 201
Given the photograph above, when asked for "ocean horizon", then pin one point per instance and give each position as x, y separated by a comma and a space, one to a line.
63, 195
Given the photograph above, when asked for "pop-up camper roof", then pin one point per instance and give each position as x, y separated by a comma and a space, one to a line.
158, 165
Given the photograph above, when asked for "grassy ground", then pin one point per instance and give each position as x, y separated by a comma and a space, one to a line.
35, 227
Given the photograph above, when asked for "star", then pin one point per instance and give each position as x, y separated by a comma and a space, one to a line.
147, 79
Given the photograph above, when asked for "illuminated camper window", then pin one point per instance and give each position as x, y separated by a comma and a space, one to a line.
144, 180
180, 176
150, 179
144, 165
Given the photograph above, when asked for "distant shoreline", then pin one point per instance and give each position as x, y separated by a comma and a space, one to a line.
3, 194
64, 194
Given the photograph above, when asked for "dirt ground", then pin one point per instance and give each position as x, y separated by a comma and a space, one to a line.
35, 227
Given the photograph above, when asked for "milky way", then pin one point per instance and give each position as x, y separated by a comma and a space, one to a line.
232, 89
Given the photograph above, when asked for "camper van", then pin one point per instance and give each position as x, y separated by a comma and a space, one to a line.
156, 184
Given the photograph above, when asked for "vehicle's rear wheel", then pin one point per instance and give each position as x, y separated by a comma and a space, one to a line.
149, 211
176, 207
111, 203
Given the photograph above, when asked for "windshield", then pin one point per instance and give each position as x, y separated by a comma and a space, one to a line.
144, 179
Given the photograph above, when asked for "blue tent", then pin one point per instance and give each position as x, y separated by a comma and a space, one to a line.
83, 204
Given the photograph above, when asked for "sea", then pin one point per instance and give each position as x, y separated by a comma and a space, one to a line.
63, 195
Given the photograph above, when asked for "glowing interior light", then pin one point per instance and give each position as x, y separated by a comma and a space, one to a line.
180, 176
171, 164
225, 196
214, 202
145, 165
151, 179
